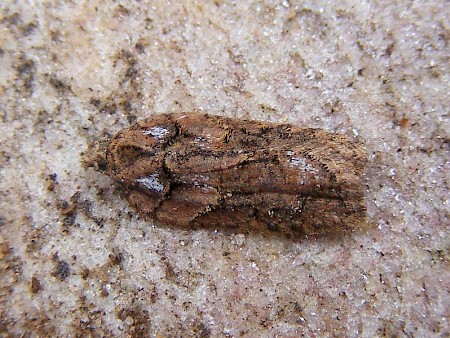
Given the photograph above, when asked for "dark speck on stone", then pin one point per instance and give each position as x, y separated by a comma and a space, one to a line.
62, 270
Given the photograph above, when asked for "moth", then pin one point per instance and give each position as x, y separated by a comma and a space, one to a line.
195, 171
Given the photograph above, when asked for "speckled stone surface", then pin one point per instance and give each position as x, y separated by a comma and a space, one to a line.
76, 260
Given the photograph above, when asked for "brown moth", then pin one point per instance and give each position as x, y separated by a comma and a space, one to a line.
195, 171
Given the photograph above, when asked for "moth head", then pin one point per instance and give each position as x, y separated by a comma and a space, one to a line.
95, 156
135, 156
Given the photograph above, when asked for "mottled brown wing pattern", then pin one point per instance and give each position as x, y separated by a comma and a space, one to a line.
203, 171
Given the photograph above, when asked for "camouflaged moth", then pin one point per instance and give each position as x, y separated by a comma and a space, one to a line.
196, 171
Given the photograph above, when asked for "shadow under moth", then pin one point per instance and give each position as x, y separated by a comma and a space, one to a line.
197, 171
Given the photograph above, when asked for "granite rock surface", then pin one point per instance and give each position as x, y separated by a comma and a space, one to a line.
76, 260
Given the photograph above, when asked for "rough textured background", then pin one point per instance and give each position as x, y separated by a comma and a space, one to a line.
77, 261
